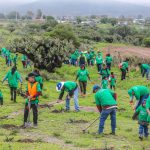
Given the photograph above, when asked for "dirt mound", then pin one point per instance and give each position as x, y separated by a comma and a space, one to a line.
4, 117
58, 111
111, 148
77, 121
10, 126
26, 141
46, 106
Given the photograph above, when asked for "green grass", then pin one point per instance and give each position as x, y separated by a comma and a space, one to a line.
56, 129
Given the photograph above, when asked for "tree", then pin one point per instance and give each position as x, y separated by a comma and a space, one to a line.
2, 16
30, 14
44, 52
113, 21
13, 15
64, 32
146, 42
78, 19
39, 14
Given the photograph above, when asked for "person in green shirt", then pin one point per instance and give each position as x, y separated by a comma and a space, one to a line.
88, 58
148, 108
15, 58
141, 93
92, 57
32, 93
38, 78
99, 61
104, 83
82, 60
124, 67
105, 100
24, 61
1, 98
108, 61
142, 120
83, 76
145, 69
13, 77
104, 72
72, 89
112, 81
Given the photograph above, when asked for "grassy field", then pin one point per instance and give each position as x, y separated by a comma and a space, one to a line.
63, 130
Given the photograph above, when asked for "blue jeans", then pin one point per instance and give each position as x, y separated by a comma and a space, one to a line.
73, 62
104, 114
75, 97
108, 65
143, 130
145, 71
142, 98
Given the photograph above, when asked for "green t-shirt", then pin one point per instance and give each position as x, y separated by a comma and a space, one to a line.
148, 103
82, 75
36, 101
15, 58
105, 73
143, 115
1, 95
125, 65
39, 79
112, 81
13, 79
104, 84
69, 86
99, 60
104, 97
109, 59
138, 91
24, 58
145, 66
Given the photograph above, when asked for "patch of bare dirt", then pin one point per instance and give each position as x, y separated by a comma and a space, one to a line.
10, 126
77, 121
46, 106
26, 141
58, 111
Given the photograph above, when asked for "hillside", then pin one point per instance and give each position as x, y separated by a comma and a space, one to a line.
75, 8
63, 130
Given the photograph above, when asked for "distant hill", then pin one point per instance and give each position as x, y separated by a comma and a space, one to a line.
85, 7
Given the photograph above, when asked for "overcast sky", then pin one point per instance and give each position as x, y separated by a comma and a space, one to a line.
27, 1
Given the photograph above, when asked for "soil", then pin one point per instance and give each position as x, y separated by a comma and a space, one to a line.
4, 117
46, 106
10, 126
26, 141
58, 111
77, 121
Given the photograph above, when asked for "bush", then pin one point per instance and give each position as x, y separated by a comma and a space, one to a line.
146, 42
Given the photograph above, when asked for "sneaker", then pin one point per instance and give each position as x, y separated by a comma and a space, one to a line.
113, 133
35, 125
25, 125
141, 137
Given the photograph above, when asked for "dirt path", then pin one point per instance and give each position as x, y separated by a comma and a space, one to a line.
129, 51
47, 139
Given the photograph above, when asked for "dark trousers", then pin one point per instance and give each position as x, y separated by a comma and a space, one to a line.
41, 85
112, 87
13, 92
145, 71
123, 74
99, 67
142, 98
88, 61
143, 130
24, 64
108, 66
35, 112
83, 85
1, 100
